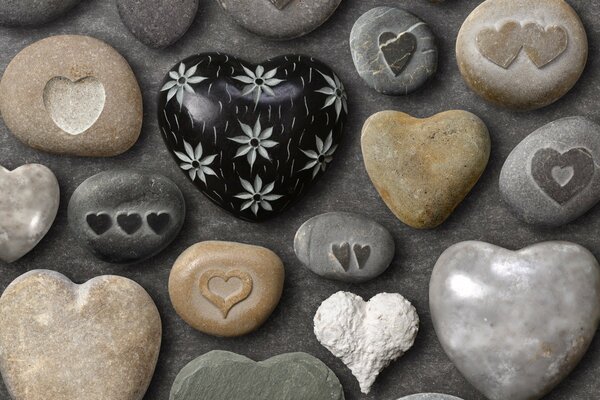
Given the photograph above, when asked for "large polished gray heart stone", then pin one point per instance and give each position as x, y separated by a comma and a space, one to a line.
515, 323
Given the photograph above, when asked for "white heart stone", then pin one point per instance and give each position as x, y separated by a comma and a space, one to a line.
74, 106
515, 323
29, 198
366, 336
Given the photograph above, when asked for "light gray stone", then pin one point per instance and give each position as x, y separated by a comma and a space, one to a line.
429, 396
551, 177
29, 198
515, 323
33, 12
393, 51
344, 246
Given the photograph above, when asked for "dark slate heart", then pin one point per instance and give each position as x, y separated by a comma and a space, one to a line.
397, 50
562, 176
253, 139
130, 223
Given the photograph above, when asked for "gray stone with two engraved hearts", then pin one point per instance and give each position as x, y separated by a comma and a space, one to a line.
125, 216
551, 177
344, 246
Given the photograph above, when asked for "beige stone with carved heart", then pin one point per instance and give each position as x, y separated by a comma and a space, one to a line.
226, 288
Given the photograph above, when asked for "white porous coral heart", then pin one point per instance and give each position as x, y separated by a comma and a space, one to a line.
366, 336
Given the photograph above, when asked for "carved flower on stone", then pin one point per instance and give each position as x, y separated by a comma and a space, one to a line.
323, 156
258, 82
181, 83
257, 196
336, 94
256, 141
194, 163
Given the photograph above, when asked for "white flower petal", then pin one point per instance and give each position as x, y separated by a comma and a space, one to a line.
273, 82
330, 100
244, 79
268, 143
257, 129
257, 184
260, 70
181, 69
270, 74
319, 145
272, 197
248, 89
266, 206
183, 157
310, 154
266, 133
326, 90
186, 167
251, 157
309, 165
246, 129
168, 85
249, 73
338, 108
196, 79
189, 150
329, 81
172, 93
174, 75
208, 160
243, 150
254, 208
244, 196
192, 173
180, 96
264, 153
208, 171
269, 188
268, 90
246, 205
198, 151
246, 185
191, 71
240, 139
188, 89
202, 176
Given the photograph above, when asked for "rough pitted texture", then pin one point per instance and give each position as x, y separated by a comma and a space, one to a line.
63, 341
33, 12
429, 396
515, 323
28, 88
366, 336
29, 198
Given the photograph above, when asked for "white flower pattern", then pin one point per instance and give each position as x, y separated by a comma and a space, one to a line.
336, 94
257, 196
320, 158
181, 83
258, 82
194, 163
255, 141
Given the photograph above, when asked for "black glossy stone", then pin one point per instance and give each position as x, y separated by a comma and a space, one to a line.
252, 138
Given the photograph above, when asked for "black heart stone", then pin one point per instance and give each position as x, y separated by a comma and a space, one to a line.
397, 50
253, 139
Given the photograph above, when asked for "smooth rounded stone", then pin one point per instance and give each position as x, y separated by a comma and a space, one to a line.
394, 51
522, 54
157, 23
515, 323
424, 168
126, 216
550, 177
225, 288
63, 341
280, 19
33, 12
29, 198
344, 246
366, 336
221, 375
72, 95
252, 138
429, 396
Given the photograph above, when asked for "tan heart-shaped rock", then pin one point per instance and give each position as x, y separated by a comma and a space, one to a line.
424, 168
63, 341
226, 288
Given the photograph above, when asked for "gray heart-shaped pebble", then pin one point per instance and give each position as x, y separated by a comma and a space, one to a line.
515, 323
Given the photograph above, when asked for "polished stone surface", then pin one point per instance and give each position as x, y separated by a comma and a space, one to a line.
394, 51
344, 246
29, 198
222, 375
551, 177
252, 138
16, 13
515, 323
127, 215
63, 341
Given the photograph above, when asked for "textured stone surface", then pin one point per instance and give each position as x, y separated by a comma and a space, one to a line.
551, 177
429, 396
522, 54
33, 12
225, 288
280, 19
63, 341
73, 95
126, 216
393, 50
158, 23
515, 323
29, 198
221, 375
366, 336
424, 168
344, 246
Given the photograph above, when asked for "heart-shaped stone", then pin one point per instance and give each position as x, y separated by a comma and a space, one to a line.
424, 168
501, 46
29, 198
397, 50
63, 341
158, 222
253, 139
366, 336
515, 323
225, 302
221, 375
544, 45
100, 223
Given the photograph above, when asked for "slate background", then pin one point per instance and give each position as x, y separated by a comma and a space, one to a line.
346, 187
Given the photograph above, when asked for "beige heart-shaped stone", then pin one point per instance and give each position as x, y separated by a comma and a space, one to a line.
63, 341
424, 168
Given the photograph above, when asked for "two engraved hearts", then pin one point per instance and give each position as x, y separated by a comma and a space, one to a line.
129, 223
343, 254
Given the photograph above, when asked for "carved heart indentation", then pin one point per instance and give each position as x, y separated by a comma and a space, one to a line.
562, 176
341, 252
544, 45
225, 304
362, 254
501, 46
158, 222
129, 222
99, 223
280, 4
397, 50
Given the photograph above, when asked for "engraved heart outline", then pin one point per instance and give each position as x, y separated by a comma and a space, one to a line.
342, 252
99, 223
390, 44
226, 304
129, 222
158, 221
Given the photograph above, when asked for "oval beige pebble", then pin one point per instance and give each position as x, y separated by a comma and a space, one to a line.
226, 288
72, 95
63, 341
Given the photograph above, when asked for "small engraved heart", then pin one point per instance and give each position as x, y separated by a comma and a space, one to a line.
74, 106
397, 50
100, 223
158, 222
281, 4
226, 304
362, 254
544, 45
130, 223
501, 46
563, 176
341, 252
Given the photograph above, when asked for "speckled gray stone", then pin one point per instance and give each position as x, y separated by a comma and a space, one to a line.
221, 375
393, 51
125, 216
344, 246
551, 177
158, 23
429, 396
515, 323
33, 12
